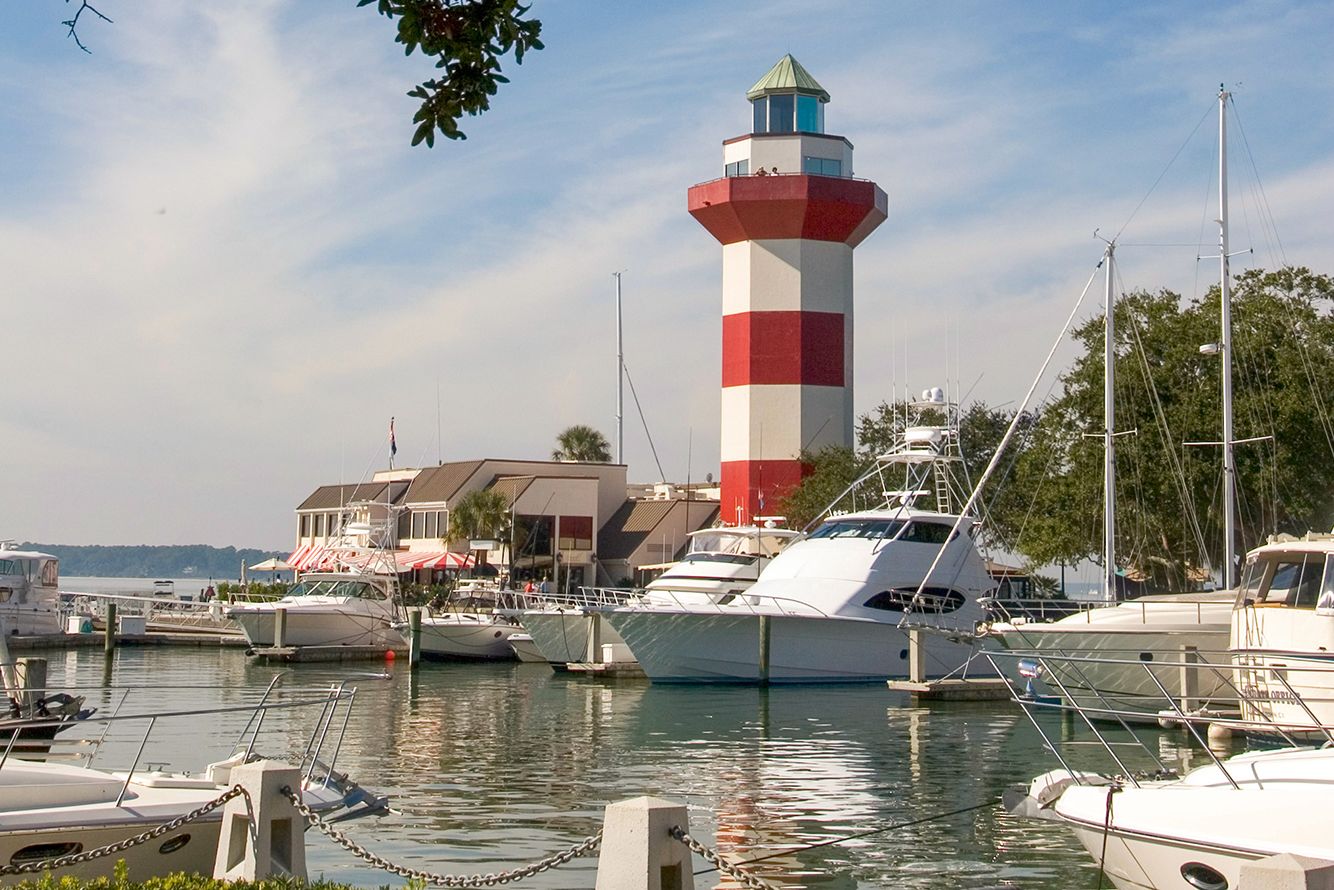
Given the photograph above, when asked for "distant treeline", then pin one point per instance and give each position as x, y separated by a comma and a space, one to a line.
143, 561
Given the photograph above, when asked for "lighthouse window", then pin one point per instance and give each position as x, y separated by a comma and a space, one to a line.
822, 166
760, 107
739, 168
781, 113
808, 114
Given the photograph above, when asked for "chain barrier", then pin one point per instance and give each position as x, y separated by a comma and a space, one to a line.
585, 846
711, 856
121, 846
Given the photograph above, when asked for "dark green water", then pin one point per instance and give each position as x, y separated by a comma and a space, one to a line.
493, 766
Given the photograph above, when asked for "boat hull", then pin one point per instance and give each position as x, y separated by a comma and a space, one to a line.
191, 849
562, 635
467, 637
693, 647
330, 626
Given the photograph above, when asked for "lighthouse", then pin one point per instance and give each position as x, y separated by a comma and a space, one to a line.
788, 213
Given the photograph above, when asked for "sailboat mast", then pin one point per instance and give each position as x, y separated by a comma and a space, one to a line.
1109, 439
620, 377
1225, 321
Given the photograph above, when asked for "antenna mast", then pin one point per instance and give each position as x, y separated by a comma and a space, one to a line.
1109, 435
620, 377
1225, 317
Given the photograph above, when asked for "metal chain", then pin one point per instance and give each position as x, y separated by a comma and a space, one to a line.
121, 846
732, 871
587, 845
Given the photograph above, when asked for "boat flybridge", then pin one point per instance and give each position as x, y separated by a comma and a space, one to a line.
29, 598
836, 606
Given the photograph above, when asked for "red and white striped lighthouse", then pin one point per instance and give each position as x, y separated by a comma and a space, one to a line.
788, 214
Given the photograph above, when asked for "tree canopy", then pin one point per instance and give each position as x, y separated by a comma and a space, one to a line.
582, 443
1045, 500
466, 38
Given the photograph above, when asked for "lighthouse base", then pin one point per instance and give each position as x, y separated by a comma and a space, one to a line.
751, 488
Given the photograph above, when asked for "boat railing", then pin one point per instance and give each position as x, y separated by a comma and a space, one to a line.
1247, 690
327, 709
730, 603
1028, 611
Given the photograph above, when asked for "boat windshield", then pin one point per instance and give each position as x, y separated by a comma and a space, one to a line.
741, 559
876, 529
1294, 580
340, 587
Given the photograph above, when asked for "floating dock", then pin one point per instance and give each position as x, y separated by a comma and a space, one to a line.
956, 689
608, 670
79, 641
300, 654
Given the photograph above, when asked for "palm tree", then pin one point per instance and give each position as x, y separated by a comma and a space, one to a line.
582, 443
480, 514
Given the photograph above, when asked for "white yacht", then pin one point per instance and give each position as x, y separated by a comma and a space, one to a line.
326, 609
836, 606
468, 628
29, 598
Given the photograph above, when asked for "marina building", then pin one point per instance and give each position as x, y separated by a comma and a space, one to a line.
577, 522
788, 213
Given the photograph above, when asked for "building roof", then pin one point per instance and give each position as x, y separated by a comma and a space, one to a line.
629, 526
439, 484
787, 76
331, 497
512, 487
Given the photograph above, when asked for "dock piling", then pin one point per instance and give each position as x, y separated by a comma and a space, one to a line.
593, 652
31, 677
1287, 871
916, 656
279, 627
638, 850
1190, 679
414, 637
109, 635
766, 641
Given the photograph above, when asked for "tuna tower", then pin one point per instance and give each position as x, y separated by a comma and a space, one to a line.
788, 214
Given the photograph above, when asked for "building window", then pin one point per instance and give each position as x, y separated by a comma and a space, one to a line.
418, 525
404, 526
576, 533
319, 525
738, 168
305, 525
760, 107
822, 166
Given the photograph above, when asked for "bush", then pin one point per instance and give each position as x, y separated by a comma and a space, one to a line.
178, 881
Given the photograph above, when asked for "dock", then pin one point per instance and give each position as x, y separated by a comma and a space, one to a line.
954, 689
38, 642
303, 654
608, 670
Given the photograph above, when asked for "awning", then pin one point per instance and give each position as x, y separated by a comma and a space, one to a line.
410, 560
271, 565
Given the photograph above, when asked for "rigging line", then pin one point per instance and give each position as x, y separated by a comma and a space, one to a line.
652, 447
1178, 469
1153, 187
1264, 199
1004, 442
851, 837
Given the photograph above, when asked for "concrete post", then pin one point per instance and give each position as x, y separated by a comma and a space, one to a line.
638, 851
109, 637
1287, 871
766, 643
1190, 678
267, 836
279, 627
593, 653
32, 683
916, 656
414, 637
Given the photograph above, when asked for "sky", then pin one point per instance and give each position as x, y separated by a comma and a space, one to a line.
223, 268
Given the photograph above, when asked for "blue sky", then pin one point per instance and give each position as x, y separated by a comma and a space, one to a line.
223, 267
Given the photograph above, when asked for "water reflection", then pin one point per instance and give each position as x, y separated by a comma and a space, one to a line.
492, 766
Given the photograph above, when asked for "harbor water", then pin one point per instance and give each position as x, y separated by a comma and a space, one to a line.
492, 766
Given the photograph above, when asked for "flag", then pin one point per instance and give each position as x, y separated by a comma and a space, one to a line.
393, 444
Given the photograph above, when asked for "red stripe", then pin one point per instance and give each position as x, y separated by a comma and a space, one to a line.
783, 347
821, 208
744, 480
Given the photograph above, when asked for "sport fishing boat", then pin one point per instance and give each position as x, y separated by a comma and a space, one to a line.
837, 605
468, 627
53, 810
29, 598
355, 608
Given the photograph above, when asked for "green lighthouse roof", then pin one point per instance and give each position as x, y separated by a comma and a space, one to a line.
787, 75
